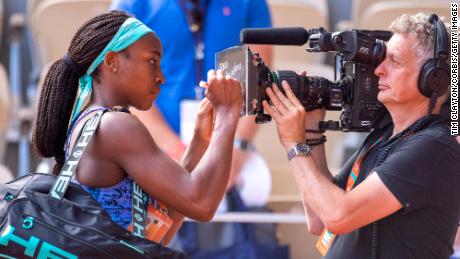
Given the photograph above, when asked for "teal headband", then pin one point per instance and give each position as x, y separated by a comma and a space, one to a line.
130, 31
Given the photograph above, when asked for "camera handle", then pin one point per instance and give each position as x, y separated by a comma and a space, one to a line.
261, 117
329, 125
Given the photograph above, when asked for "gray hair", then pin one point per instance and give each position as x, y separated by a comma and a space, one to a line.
419, 26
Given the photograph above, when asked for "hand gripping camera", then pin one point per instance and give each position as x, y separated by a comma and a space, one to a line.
354, 91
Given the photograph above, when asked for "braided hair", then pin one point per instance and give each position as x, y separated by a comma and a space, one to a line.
59, 89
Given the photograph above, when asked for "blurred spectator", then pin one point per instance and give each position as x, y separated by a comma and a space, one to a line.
5, 174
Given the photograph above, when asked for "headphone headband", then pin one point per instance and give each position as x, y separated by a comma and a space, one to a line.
440, 45
434, 77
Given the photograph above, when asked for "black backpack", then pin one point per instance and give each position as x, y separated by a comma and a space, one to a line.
33, 224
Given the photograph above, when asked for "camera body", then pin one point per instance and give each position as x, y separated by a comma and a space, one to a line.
354, 90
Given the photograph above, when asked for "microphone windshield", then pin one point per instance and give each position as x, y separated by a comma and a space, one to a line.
275, 36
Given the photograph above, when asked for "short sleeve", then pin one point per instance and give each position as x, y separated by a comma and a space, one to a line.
341, 178
410, 171
258, 14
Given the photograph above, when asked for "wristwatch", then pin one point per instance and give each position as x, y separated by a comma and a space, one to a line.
299, 149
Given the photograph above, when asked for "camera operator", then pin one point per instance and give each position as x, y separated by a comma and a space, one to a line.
397, 197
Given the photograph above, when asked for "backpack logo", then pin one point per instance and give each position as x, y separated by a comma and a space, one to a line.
45, 249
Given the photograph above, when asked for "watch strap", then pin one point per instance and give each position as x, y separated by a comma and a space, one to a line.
299, 149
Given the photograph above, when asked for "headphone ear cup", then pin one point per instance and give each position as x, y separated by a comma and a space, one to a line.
423, 79
433, 78
441, 81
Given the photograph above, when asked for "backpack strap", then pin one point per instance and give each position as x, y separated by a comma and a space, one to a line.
68, 170
139, 197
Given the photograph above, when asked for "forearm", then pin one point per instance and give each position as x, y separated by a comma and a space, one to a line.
212, 172
314, 223
194, 152
319, 151
318, 192
319, 155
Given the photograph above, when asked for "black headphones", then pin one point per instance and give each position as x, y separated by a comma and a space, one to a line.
434, 77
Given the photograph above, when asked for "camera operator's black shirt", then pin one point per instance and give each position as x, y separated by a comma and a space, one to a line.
423, 173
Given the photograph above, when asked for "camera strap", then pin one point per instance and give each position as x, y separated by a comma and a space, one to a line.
195, 11
327, 238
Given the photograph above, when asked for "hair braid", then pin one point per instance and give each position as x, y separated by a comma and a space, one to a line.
59, 89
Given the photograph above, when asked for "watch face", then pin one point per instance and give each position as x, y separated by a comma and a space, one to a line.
300, 149
303, 148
